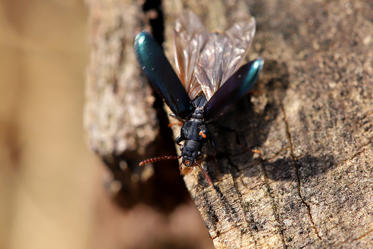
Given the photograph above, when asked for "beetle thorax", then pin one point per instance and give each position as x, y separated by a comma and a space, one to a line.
193, 133
198, 114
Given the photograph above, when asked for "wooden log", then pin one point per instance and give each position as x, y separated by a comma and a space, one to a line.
311, 116
312, 120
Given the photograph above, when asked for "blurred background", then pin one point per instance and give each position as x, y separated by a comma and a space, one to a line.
51, 185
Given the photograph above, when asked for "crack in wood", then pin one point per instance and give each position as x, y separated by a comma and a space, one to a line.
360, 150
276, 154
294, 159
363, 235
354, 239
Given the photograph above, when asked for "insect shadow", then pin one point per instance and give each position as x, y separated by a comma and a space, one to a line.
246, 127
307, 166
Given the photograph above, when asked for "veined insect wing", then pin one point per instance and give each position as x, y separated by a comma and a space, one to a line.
161, 75
222, 55
233, 89
190, 38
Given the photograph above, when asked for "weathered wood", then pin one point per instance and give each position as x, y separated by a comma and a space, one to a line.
312, 118
115, 118
119, 114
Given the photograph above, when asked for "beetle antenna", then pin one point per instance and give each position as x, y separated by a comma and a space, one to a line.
157, 159
207, 177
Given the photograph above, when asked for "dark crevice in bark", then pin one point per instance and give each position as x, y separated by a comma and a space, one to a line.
167, 176
156, 19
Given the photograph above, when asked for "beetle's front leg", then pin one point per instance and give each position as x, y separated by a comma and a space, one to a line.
179, 139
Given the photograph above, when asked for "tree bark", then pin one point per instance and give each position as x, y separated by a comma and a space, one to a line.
121, 114
311, 116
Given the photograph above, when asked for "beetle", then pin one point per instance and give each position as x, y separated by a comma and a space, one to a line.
208, 77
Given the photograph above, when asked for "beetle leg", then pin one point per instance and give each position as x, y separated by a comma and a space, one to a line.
178, 140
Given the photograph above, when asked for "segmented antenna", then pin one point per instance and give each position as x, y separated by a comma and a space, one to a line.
208, 179
157, 159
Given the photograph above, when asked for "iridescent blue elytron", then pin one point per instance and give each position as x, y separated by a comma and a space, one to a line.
193, 112
161, 75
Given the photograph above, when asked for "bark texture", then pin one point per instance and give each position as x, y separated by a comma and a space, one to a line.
121, 114
311, 116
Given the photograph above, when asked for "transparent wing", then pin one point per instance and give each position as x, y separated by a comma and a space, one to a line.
190, 38
222, 55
